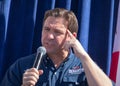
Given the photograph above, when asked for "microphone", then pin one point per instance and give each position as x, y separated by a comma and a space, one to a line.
41, 52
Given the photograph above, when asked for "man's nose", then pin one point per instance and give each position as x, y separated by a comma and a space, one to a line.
51, 35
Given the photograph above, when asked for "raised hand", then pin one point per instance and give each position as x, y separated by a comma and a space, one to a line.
75, 44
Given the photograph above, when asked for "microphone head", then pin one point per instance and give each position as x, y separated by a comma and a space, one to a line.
41, 50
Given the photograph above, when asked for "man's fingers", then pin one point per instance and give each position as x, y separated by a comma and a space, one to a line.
32, 70
30, 77
70, 34
31, 74
40, 72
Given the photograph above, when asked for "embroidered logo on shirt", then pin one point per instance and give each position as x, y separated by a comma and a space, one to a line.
76, 70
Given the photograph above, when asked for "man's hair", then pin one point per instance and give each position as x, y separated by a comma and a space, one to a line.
69, 16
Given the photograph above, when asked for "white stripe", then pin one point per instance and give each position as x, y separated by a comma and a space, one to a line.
118, 74
117, 35
117, 46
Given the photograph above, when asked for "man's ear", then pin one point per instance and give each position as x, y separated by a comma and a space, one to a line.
74, 34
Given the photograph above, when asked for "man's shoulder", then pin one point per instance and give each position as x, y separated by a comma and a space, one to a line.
23, 63
27, 58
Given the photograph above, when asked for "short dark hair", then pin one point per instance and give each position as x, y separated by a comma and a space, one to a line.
69, 16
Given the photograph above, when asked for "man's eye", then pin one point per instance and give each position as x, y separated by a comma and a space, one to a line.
59, 32
46, 29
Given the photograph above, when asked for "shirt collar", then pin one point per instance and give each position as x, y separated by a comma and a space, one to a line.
48, 62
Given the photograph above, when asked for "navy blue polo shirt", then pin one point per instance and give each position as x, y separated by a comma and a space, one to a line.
69, 73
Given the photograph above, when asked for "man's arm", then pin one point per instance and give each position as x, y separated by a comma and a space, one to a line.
95, 76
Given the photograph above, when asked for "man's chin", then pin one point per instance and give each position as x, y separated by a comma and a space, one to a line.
50, 51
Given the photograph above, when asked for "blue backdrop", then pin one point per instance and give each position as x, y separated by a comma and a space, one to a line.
21, 25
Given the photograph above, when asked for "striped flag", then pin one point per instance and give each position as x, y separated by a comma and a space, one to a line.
115, 64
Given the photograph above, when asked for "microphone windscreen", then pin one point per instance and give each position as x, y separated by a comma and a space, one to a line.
41, 50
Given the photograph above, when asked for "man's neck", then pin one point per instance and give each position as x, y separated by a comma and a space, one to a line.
58, 58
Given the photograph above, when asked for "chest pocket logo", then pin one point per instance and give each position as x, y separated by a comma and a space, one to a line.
75, 70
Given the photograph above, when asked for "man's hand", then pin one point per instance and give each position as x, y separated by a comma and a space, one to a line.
72, 42
31, 76
92, 71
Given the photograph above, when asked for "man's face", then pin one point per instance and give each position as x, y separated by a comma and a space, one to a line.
54, 34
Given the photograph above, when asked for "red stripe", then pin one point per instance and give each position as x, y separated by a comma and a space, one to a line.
114, 65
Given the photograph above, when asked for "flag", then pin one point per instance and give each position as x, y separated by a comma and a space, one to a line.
115, 62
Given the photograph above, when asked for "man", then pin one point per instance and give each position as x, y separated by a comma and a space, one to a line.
66, 63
